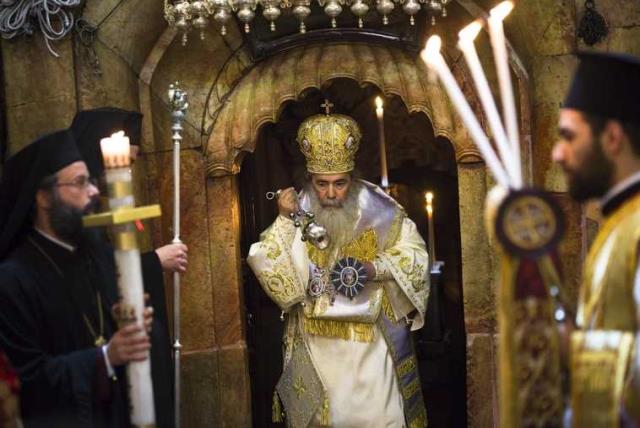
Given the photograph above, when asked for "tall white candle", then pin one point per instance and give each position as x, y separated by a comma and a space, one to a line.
115, 153
384, 178
432, 57
466, 38
498, 43
432, 239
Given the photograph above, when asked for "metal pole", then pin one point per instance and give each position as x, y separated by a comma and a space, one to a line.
179, 105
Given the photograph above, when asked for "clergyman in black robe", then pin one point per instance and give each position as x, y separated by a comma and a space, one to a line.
57, 288
89, 127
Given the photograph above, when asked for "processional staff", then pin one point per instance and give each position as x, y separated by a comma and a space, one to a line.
121, 218
178, 103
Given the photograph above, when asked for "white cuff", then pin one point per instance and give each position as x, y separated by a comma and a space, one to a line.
110, 372
382, 272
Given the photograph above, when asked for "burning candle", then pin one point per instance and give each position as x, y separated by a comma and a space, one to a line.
466, 38
384, 178
498, 43
432, 239
432, 57
116, 150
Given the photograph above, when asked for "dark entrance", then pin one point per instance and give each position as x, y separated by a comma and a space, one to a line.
418, 162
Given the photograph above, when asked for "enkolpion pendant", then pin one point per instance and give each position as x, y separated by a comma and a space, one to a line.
317, 284
348, 277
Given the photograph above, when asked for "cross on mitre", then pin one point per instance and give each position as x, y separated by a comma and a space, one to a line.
327, 106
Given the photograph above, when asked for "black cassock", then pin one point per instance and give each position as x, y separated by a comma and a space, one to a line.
161, 349
49, 321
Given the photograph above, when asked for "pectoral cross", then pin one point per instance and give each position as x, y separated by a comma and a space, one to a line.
327, 106
99, 342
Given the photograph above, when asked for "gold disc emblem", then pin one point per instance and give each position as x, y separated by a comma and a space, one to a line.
529, 223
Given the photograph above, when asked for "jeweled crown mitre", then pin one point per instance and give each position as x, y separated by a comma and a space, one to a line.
329, 142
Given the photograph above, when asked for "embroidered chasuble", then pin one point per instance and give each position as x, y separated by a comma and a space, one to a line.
349, 362
605, 362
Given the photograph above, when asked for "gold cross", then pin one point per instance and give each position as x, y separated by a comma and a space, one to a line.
327, 106
300, 387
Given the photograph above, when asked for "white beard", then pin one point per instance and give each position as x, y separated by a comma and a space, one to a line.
339, 221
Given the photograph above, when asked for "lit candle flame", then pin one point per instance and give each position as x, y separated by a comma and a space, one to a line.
432, 49
501, 11
429, 197
116, 150
379, 102
469, 33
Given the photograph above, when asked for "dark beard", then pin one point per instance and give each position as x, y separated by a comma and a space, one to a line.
66, 220
593, 178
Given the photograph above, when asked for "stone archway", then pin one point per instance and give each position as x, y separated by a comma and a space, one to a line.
257, 100
258, 97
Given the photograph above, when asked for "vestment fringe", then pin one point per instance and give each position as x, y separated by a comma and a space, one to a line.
354, 331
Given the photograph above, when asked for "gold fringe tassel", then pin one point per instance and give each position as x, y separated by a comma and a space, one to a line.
354, 331
276, 408
325, 416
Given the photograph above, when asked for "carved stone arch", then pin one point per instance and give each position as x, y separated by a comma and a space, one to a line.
258, 98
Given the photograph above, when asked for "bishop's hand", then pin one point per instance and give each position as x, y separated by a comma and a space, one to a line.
288, 202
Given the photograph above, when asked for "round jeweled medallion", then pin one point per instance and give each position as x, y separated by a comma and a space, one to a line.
348, 277
529, 223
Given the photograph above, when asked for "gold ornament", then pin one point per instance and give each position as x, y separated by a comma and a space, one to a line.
329, 142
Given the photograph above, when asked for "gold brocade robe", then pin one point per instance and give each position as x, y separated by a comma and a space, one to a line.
604, 370
340, 345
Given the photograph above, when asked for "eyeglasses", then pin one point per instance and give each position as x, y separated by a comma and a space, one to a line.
81, 182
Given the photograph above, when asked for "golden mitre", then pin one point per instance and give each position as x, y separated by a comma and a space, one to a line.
329, 142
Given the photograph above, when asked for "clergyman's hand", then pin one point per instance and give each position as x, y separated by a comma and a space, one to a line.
287, 202
148, 319
130, 343
173, 257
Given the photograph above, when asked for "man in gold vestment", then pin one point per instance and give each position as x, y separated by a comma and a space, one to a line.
599, 150
348, 357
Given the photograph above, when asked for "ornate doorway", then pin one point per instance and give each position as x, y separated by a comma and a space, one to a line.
418, 162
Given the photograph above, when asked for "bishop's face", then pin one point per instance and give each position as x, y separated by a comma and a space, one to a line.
579, 152
331, 189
